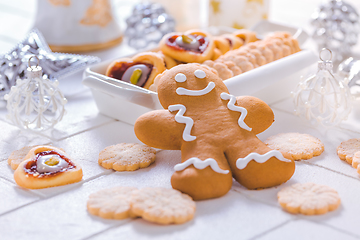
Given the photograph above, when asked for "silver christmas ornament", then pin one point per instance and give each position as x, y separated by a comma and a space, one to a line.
13, 64
35, 103
336, 27
323, 97
148, 24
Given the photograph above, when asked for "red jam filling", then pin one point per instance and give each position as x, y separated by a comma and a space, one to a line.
119, 69
31, 168
230, 42
203, 41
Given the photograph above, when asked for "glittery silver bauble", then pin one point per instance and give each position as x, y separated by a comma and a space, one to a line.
350, 68
148, 24
13, 64
336, 27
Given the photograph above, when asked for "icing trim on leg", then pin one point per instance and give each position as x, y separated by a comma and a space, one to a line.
199, 164
232, 107
180, 118
241, 163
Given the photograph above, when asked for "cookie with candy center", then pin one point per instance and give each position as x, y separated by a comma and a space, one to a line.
191, 46
47, 166
140, 70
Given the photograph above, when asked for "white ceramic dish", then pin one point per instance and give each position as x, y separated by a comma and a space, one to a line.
271, 82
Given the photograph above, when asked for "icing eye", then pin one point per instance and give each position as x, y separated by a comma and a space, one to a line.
200, 73
180, 77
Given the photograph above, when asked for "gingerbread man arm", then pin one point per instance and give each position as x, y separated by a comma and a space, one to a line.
259, 115
158, 129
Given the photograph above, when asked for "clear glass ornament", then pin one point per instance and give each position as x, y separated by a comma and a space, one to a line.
323, 97
35, 103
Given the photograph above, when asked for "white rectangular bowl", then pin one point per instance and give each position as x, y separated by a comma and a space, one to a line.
271, 82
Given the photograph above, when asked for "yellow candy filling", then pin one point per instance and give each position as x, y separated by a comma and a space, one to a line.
52, 161
135, 76
187, 39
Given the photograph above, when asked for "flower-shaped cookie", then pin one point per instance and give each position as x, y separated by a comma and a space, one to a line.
347, 149
308, 199
296, 146
163, 205
126, 156
112, 203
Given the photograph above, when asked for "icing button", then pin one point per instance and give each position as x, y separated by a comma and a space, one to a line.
180, 77
200, 73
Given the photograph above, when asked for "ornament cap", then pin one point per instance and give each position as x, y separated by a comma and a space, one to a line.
34, 71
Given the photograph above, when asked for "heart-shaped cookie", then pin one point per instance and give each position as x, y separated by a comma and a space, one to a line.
47, 166
139, 70
191, 46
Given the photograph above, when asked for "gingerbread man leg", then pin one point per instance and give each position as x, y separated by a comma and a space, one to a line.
260, 166
203, 173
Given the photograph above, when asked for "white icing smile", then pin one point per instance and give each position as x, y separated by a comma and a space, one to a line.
187, 92
241, 163
198, 164
180, 118
43, 166
232, 107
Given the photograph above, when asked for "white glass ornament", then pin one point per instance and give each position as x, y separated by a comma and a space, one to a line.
35, 103
323, 97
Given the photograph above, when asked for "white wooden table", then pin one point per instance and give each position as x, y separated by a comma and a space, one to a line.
60, 212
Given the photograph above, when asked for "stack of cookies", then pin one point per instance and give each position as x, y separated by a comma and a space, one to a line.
254, 54
229, 54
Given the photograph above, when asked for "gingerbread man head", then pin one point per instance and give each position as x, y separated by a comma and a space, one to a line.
191, 86
215, 131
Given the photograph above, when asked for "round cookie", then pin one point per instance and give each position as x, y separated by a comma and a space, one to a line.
296, 146
162, 205
112, 203
47, 166
216, 133
308, 199
126, 157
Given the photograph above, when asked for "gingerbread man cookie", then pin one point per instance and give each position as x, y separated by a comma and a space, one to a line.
216, 133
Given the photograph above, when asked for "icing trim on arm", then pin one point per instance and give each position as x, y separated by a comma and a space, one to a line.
199, 164
187, 92
241, 163
231, 106
180, 118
